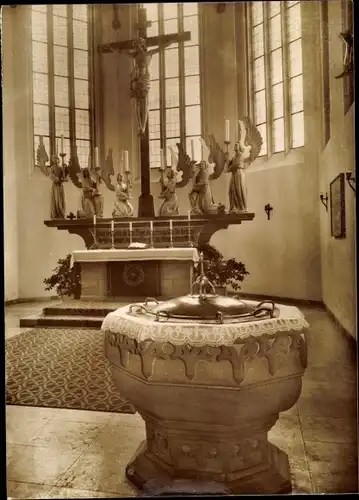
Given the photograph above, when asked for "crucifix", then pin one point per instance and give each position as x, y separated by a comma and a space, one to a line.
140, 85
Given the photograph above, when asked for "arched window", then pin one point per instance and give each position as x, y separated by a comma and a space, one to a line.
175, 96
276, 80
61, 68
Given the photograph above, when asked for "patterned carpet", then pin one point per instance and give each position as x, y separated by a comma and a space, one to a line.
61, 368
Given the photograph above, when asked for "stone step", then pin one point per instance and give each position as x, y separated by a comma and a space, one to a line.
78, 311
70, 321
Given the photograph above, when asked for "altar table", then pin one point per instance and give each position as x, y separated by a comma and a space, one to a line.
154, 272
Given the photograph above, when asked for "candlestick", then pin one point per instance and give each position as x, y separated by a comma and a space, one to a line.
151, 234
62, 143
112, 234
226, 135
130, 233
171, 234
192, 150
127, 168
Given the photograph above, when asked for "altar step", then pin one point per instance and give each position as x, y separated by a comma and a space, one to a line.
72, 314
59, 320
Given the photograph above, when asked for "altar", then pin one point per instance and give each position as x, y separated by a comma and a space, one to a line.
147, 272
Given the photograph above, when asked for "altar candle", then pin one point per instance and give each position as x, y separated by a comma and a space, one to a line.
203, 153
94, 220
112, 226
227, 130
151, 226
62, 144
127, 168
189, 215
171, 225
192, 148
97, 157
130, 226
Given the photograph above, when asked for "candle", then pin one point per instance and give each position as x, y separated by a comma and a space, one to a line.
130, 226
151, 226
161, 159
112, 226
97, 157
62, 144
189, 214
171, 225
192, 148
227, 130
203, 154
127, 168
94, 220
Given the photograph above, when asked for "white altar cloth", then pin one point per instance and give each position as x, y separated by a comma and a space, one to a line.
125, 254
198, 334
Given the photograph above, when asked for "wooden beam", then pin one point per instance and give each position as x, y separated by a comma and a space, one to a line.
150, 42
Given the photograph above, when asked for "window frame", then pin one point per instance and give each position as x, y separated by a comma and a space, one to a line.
71, 85
287, 112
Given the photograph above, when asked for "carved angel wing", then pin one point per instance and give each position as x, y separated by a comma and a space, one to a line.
74, 168
108, 170
185, 166
217, 157
42, 157
253, 138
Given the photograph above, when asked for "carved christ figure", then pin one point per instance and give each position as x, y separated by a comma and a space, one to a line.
140, 78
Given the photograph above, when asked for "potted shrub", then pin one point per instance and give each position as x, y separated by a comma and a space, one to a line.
66, 279
220, 272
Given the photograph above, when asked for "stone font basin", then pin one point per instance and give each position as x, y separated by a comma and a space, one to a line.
209, 391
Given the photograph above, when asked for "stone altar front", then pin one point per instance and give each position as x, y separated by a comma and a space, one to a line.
209, 394
154, 272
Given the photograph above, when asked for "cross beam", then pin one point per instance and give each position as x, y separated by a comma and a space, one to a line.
151, 41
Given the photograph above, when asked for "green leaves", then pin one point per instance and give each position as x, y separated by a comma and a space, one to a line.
66, 279
222, 272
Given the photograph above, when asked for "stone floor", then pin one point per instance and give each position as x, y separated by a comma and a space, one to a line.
54, 453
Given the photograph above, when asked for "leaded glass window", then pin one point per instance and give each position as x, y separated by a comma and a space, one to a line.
61, 37
276, 74
175, 93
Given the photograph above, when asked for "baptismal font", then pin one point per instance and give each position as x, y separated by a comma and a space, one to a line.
209, 374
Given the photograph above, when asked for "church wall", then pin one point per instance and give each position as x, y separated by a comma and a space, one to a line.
39, 247
9, 167
282, 254
338, 255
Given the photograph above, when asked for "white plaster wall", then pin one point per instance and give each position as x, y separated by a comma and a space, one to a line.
9, 165
338, 255
39, 247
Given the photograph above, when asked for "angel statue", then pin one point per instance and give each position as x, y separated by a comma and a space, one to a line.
58, 175
122, 206
92, 199
168, 193
200, 196
246, 150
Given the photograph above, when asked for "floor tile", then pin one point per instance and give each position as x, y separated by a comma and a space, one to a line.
57, 492
99, 417
336, 399
119, 439
324, 458
20, 429
67, 435
335, 483
329, 429
98, 471
39, 465
16, 489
